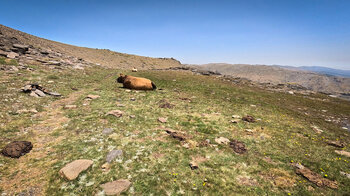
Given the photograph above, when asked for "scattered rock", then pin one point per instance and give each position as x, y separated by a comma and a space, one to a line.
33, 94
27, 111
222, 140
39, 93
176, 135
162, 120
116, 113
107, 131
17, 149
343, 153
238, 146
248, 118
336, 143
316, 178
236, 116
193, 165
70, 107
92, 96
55, 94
37, 90
132, 99
12, 55
235, 121
317, 130
106, 167
291, 92
345, 174
72, 170
249, 131
132, 116
116, 187
113, 154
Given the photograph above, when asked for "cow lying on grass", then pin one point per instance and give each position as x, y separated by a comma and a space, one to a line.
136, 83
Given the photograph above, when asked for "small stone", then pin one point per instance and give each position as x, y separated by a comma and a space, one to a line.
40, 93
92, 96
291, 92
343, 153
17, 149
50, 81
249, 131
107, 131
345, 174
106, 167
128, 90
132, 116
70, 106
120, 105
113, 154
133, 99
162, 120
316, 129
222, 140
72, 170
116, 113
116, 187
345, 128
193, 165
235, 121
236, 116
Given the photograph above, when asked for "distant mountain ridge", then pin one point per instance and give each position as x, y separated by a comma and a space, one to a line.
283, 75
321, 70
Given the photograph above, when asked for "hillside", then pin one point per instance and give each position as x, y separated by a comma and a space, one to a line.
97, 56
276, 75
81, 133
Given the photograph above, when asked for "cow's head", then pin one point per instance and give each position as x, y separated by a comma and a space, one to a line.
121, 78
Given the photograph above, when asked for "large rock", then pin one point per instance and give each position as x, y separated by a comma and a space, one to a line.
17, 148
72, 170
116, 187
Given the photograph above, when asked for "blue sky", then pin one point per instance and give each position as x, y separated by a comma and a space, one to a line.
284, 32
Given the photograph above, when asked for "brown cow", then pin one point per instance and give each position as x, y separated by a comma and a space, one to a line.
136, 83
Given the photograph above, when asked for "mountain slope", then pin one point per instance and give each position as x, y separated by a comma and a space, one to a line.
274, 74
97, 56
194, 135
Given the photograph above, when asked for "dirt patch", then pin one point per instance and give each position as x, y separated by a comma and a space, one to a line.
247, 181
279, 178
238, 146
17, 149
165, 104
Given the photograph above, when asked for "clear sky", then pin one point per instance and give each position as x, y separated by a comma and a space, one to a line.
283, 32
